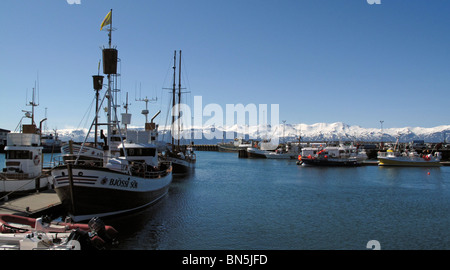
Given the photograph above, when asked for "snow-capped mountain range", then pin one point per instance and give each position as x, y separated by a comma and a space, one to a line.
316, 132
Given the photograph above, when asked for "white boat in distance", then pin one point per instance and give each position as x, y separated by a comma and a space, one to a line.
412, 159
287, 151
342, 155
234, 146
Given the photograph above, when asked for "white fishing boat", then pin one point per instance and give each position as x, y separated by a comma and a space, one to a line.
408, 159
288, 151
261, 149
342, 155
24, 171
234, 146
131, 177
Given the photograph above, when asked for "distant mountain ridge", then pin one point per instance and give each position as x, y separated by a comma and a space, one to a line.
316, 132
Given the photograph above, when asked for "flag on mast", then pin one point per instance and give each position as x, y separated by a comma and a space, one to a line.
106, 20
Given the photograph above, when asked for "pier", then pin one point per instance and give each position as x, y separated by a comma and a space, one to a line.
206, 147
33, 205
371, 148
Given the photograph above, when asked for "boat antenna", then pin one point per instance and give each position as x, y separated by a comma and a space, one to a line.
110, 28
146, 100
33, 104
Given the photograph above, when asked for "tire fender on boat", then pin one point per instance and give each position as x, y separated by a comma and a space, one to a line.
36, 160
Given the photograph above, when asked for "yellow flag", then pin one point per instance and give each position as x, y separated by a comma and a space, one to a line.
106, 20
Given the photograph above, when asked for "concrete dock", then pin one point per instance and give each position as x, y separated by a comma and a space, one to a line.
33, 205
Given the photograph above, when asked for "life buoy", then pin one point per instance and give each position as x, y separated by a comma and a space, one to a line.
36, 160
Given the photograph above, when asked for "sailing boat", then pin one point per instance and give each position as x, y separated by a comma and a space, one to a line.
132, 179
183, 158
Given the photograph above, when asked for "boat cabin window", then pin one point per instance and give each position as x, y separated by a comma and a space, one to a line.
138, 152
18, 154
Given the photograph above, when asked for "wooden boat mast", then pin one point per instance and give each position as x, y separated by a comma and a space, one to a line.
173, 98
179, 102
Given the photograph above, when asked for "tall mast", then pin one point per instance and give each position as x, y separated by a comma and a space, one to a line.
109, 94
179, 101
96, 117
33, 105
110, 31
110, 57
173, 97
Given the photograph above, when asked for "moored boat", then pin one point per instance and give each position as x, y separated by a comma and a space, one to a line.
25, 233
183, 159
408, 159
24, 171
261, 149
131, 176
134, 180
287, 151
51, 143
234, 146
343, 156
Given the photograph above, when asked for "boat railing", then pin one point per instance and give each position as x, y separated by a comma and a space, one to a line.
147, 171
137, 168
72, 159
16, 176
49, 164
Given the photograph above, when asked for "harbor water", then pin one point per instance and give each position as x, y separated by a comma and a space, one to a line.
230, 203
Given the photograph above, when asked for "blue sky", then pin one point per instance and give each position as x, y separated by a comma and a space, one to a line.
320, 60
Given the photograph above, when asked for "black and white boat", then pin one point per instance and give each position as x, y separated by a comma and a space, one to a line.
131, 177
133, 180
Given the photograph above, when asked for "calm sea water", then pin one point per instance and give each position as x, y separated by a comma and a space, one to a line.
241, 204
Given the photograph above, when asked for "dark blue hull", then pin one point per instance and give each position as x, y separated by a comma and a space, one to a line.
330, 162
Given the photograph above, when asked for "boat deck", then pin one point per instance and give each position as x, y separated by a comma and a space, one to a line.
31, 205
